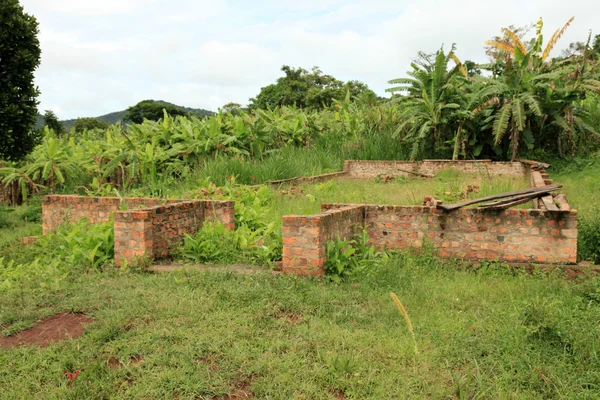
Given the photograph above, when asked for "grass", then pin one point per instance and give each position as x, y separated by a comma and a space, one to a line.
486, 334
18, 222
449, 186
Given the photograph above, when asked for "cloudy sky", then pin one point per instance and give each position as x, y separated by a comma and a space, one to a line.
100, 56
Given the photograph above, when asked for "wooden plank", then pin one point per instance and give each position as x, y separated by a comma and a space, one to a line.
527, 197
542, 189
507, 204
548, 202
562, 202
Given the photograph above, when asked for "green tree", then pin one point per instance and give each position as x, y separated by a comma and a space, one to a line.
52, 122
534, 100
83, 124
152, 110
431, 100
19, 57
233, 108
307, 89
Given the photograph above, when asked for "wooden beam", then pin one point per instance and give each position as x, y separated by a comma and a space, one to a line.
539, 190
526, 197
507, 204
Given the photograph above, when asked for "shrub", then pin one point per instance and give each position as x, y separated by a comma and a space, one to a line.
352, 256
588, 247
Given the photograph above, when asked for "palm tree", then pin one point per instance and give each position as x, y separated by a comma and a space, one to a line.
512, 47
531, 91
431, 99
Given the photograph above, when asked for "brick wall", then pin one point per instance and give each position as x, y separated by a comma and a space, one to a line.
305, 237
58, 209
369, 169
148, 228
476, 234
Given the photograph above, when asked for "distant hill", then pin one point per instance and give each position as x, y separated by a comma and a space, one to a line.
114, 117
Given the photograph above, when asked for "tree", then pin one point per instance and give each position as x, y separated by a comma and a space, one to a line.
83, 124
533, 92
307, 89
431, 99
152, 110
52, 122
19, 57
233, 108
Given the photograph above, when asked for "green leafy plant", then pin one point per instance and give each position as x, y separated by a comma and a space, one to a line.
345, 257
81, 246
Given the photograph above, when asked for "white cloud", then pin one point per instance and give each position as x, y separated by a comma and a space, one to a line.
98, 57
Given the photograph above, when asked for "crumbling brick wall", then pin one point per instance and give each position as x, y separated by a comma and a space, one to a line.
511, 235
305, 237
363, 169
58, 209
148, 228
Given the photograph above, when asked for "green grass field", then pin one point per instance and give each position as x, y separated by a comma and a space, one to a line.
485, 334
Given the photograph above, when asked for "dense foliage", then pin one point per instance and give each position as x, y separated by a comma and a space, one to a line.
151, 110
19, 57
83, 124
305, 89
529, 103
52, 122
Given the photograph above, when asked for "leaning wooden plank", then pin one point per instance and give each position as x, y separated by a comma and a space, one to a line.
507, 204
541, 189
548, 203
562, 202
527, 197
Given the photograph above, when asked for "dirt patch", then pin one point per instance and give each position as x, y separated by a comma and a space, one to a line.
239, 391
63, 326
289, 316
339, 395
114, 363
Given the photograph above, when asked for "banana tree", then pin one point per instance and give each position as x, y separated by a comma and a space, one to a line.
431, 100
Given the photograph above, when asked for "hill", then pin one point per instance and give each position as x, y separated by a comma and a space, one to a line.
116, 116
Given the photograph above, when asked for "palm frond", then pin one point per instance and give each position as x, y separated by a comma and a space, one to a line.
504, 46
403, 81
518, 114
501, 123
493, 100
554, 39
514, 38
459, 64
532, 102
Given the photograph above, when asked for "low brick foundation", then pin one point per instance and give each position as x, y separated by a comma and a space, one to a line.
362, 169
305, 237
541, 235
147, 228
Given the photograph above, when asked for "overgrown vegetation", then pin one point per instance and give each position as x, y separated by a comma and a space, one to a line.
490, 333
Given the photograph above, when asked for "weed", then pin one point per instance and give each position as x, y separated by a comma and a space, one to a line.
352, 256
402, 310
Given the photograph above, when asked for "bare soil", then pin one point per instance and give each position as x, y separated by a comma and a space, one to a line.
63, 326
240, 390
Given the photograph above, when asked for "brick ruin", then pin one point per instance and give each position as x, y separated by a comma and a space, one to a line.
544, 234
143, 227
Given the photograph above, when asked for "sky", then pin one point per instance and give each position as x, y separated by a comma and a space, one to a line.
104, 56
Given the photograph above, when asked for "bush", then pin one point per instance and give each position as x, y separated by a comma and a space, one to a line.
345, 258
588, 243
